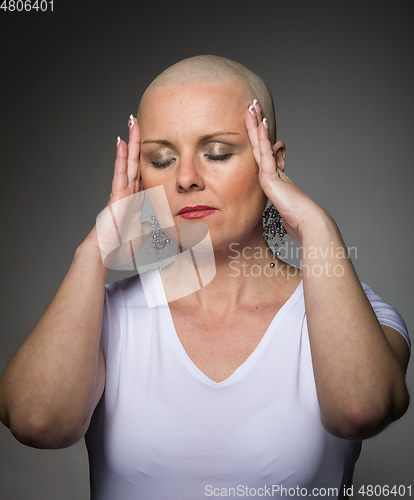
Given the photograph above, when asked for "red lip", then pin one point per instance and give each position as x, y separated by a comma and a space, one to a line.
196, 212
193, 209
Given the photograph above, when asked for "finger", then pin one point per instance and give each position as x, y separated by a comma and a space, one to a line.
258, 110
120, 180
251, 125
134, 145
267, 161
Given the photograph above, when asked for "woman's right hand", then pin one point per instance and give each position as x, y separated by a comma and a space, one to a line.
126, 172
53, 383
119, 233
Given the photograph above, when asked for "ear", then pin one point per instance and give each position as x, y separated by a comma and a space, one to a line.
279, 151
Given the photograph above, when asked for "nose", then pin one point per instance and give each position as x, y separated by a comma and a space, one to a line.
189, 175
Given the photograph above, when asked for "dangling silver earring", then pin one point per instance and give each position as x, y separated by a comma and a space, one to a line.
159, 240
272, 227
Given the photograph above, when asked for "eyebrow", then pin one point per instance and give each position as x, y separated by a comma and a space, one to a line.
204, 138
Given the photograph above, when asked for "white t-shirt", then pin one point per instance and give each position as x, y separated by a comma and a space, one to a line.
164, 430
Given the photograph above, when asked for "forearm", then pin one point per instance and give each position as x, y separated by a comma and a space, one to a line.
359, 382
48, 386
359, 377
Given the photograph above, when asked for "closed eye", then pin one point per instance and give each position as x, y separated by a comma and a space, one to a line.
222, 157
211, 157
162, 164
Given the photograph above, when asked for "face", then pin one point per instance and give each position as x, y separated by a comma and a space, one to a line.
195, 144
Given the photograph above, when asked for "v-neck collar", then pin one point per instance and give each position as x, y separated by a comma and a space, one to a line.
154, 288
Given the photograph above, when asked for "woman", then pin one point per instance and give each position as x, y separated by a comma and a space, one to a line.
259, 383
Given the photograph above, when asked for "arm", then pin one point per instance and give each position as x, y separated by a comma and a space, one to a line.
53, 383
47, 390
359, 366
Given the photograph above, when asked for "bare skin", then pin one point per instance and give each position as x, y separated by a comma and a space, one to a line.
359, 394
52, 385
232, 313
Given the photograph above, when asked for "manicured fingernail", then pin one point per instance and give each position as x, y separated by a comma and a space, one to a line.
266, 125
251, 109
118, 140
131, 122
257, 106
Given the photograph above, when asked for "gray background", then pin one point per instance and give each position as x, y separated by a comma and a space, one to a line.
342, 78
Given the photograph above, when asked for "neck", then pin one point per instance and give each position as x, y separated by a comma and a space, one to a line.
242, 275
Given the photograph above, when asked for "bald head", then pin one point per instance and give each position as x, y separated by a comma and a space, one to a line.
216, 69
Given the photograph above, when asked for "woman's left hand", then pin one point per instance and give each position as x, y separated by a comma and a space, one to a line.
297, 209
357, 399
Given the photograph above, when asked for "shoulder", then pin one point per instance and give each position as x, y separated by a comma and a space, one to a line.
386, 314
124, 293
144, 291
125, 308
123, 286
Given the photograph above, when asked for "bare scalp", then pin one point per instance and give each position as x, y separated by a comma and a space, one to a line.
210, 68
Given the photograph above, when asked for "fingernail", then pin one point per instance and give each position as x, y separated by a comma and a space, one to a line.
266, 125
118, 140
131, 122
257, 106
251, 109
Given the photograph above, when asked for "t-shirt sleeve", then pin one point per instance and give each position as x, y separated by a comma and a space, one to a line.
119, 295
113, 304
386, 314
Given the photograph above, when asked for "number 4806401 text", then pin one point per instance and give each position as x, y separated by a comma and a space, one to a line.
27, 5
